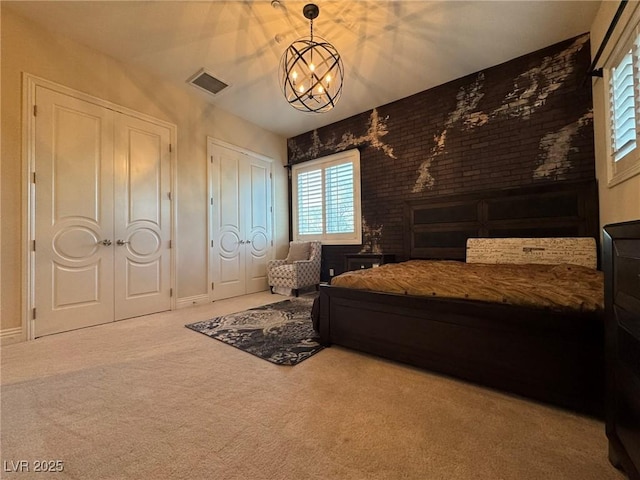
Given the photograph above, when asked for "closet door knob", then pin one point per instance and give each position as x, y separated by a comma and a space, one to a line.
242, 242
248, 241
106, 243
122, 242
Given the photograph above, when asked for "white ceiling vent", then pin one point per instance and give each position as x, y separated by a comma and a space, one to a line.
207, 82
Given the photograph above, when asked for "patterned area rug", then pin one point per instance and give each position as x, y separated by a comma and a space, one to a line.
281, 333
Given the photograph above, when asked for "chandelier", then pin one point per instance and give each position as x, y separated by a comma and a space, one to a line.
311, 71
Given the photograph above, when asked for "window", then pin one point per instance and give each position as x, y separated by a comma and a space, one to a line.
623, 77
326, 199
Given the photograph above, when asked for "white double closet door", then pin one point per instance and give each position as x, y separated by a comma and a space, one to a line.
102, 214
241, 221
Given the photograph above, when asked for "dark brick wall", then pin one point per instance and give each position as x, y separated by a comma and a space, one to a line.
527, 121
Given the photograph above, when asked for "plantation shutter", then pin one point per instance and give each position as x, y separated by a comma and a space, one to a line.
621, 72
339, 198
623, 112
310, 202
326, 199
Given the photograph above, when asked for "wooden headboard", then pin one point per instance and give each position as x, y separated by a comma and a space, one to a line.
438, 228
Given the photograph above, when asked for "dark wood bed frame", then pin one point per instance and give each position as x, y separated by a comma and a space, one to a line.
548, 356
621, 265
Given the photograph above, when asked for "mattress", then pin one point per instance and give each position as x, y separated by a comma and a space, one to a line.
562, 287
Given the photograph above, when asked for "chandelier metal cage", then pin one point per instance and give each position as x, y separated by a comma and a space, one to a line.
311, 71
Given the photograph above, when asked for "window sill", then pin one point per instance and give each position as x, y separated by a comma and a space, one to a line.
623, 176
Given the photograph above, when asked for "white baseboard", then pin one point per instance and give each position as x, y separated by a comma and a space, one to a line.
191, 301
11, 335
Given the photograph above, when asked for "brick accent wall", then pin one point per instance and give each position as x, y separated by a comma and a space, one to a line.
524, 122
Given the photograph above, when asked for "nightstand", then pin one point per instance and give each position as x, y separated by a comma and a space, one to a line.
356, 261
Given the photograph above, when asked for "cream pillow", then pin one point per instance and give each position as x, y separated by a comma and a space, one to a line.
298, 251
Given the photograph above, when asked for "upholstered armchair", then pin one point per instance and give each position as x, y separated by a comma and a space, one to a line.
300, 269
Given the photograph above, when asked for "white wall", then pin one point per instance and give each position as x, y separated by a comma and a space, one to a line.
620, 202
26, 47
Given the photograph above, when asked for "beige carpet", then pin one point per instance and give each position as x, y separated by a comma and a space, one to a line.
148, 398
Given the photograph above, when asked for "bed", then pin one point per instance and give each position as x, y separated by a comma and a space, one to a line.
622, 344
553, 355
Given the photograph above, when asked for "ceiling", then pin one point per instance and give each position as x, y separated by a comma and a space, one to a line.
390, 49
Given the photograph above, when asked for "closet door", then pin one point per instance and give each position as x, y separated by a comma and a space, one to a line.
257, 205
142, 217
228, 260
73, 280
240, 222
102, 215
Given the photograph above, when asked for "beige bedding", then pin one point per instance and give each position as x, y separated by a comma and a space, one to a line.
557, 287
